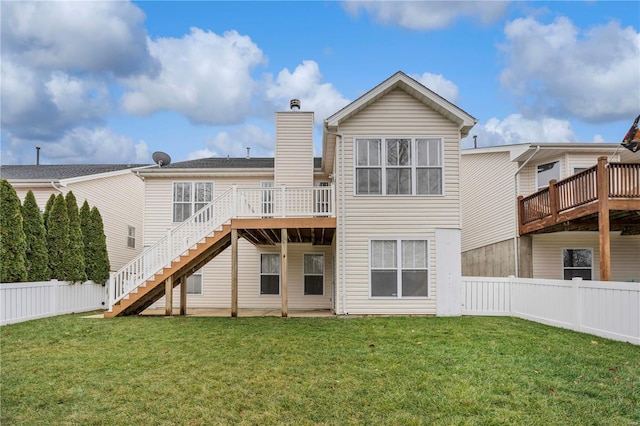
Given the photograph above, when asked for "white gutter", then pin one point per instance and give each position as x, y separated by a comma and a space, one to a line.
515, 190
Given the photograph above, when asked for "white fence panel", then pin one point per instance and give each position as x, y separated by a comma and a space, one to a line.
26, 301
486, 296
602, 308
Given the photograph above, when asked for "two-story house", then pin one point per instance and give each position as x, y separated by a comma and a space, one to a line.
551, 210
113, 188
371, 227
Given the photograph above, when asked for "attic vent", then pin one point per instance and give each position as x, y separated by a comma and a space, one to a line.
294, 104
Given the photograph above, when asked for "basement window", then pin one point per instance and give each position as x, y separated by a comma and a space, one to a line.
194, 283
270, 273
577, 263
399, 268
314, 274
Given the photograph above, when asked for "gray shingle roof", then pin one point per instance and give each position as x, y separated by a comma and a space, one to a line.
231, 163
59, 171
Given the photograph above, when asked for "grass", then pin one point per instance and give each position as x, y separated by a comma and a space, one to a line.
400, 370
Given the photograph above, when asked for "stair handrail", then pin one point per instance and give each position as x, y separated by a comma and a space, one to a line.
177, 241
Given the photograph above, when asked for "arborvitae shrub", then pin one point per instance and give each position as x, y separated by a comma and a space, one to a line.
97, 255
76, 265
47, 209
58, 238
37, 256
12, 239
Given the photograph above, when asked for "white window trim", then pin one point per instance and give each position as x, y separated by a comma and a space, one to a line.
201, 273
399, 267
130, 237
304, 275
546, 184
193, 201
260, 275
383, 167
562, 267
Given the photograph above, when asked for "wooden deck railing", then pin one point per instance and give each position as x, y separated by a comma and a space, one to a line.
580, 189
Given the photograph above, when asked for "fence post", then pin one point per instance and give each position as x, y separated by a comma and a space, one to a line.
511, 288
54, 296
576, 300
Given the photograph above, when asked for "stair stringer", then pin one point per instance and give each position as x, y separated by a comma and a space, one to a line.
189, 262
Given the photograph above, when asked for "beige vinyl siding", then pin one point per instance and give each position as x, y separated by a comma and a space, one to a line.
547, 254
375, 217
294, 149
41, 194
159, 199
487, 176
216, 278
120, 200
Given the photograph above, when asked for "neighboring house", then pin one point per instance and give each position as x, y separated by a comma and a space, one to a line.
371, 227
112, 188
553, 231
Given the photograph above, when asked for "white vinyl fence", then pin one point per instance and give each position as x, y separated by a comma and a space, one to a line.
602, 308
26, 301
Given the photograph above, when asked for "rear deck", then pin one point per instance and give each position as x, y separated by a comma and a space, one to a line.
603, 198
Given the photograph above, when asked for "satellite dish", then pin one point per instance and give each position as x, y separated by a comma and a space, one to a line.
161, 158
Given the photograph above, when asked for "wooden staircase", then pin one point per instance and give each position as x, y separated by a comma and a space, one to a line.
180, 269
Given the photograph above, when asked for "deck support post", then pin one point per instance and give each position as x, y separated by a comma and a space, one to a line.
168, 296
234, 273
602, 175
283, 271
183, 295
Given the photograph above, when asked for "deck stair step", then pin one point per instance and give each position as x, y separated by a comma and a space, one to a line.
186, 264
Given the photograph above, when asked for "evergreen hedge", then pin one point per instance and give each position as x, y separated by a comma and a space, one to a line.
47, 209
58, 238
37, 256
76, 263
12, 238
97, 257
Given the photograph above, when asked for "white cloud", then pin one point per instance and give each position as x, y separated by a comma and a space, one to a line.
90, 36
558, 69
305, 83
80, 145
41, 104
517, 129
428, 15
234, 143
204, 76
437, 83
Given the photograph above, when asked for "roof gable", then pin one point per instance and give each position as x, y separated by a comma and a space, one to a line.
402, 81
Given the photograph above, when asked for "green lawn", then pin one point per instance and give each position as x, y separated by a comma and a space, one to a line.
399, 370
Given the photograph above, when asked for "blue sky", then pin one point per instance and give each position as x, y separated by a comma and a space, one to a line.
100, 82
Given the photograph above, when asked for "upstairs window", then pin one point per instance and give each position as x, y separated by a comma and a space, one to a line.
547, 172
399, 166
131, 237
189, 197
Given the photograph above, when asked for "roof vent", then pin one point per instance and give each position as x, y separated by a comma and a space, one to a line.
294, 104
248, 150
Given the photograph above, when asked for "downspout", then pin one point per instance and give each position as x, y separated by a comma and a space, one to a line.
515, 190
341, 219
57, 188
